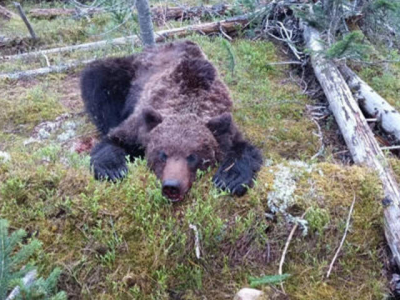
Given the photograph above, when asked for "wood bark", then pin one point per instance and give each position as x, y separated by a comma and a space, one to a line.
372, 103
227, 25
6, 14
145, 22
357, 135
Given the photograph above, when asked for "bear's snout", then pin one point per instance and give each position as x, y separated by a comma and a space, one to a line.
171, 189
175, 179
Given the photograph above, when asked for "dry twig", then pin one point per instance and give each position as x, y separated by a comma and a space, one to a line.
196, 239
343, 238
280, 272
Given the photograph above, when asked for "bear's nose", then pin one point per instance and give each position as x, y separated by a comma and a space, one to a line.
171, 189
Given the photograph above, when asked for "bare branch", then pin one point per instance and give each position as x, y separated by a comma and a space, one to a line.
25, 19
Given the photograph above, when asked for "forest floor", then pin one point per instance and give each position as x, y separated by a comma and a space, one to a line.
125, 241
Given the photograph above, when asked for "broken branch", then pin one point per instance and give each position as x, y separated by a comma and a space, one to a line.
25, 19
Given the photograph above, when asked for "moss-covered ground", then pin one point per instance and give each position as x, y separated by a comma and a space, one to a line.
125, 241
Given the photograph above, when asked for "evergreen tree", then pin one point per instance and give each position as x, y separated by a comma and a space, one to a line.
15, 268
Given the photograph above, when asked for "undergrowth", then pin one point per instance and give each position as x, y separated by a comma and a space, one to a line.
125, 241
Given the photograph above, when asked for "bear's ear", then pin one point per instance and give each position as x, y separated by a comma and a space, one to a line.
129, 131
220, 125
151, 118
194, 74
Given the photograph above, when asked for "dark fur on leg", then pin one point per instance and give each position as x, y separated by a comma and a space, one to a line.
105, 86
108, 161
239, 168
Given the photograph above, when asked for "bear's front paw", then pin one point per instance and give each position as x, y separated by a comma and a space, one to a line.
234, 177
108, 162
102, 172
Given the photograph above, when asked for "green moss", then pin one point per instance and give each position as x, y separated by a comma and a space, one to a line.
25, 108
128, 229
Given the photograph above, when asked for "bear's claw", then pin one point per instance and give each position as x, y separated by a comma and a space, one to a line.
236, 179
236, 174
108, 161
101, 173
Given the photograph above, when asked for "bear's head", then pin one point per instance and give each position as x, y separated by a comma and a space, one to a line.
177, 146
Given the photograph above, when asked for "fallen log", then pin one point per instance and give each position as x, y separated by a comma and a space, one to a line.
159, 14
44, 71
227, 25
357, 134
162, 14
372, 103
51, 13
6, 14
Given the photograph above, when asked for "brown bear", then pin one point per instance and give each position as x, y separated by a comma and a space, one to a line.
168, 104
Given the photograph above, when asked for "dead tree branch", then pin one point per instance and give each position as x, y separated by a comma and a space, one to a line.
25, 19
357, 134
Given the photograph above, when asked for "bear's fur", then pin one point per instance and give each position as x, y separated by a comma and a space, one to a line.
169, 104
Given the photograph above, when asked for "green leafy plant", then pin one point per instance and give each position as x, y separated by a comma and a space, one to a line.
267, 279
15, 269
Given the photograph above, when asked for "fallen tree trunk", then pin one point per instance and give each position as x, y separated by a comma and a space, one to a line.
159, 14
358, 136
51, 13
162, 14
44, 71
227, 25
372, 103
6, 14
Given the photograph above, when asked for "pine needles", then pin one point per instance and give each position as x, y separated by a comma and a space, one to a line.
15, 268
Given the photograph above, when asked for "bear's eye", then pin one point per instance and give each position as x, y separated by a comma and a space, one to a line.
192, 159
163, 156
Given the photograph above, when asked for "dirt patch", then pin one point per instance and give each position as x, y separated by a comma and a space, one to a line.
71, 94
